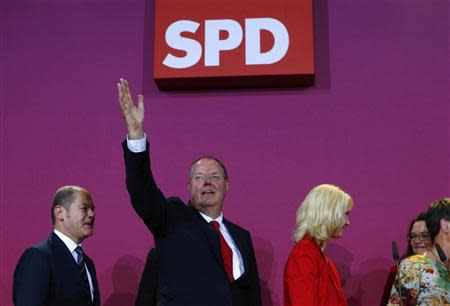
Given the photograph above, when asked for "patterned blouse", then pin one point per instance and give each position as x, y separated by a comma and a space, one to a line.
423, 281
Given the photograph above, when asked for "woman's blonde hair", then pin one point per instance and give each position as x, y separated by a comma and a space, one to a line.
320, 213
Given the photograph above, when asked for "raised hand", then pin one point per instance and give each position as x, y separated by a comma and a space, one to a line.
134, 116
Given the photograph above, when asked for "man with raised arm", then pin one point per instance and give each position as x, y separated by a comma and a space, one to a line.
203, 259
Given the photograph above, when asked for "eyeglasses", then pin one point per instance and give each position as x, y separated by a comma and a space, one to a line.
420, 237
214, 177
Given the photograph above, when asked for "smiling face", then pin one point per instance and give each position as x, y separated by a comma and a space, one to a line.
208, 186
419, 238
76, 219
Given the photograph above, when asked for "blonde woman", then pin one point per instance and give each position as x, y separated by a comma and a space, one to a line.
310, 277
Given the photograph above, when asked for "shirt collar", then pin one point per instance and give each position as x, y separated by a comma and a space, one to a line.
71, 245
208, 219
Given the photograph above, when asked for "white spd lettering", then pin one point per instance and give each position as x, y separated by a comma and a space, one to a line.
214, 45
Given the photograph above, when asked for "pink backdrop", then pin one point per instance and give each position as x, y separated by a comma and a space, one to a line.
376, 123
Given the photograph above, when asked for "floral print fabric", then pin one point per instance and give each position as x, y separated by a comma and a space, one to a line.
423, 281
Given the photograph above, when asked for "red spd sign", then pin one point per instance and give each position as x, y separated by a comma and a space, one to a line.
234, 43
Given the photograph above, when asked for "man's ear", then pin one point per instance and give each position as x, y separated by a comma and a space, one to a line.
58, 210
445, 226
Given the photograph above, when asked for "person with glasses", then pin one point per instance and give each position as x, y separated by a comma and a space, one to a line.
424, 279
310, 277
203, 258
419, 242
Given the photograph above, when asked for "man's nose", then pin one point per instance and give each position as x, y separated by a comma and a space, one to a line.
91, 213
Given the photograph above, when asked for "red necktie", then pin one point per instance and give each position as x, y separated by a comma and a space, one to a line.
227, 254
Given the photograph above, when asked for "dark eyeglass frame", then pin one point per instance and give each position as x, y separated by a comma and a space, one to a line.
420, 237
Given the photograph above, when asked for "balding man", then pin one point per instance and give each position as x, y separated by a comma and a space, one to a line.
203, 259
56, 271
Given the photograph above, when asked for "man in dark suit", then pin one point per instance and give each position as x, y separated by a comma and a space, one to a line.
148, 286
56, 271
203, 259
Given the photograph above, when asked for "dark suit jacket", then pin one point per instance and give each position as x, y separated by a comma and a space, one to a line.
47, 274
148, 286
190, 264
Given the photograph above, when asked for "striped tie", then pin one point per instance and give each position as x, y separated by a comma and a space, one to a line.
82, 265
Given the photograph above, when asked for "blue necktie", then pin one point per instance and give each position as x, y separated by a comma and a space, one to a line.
82, 265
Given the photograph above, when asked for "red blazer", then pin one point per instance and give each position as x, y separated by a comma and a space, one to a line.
388, 286
310, 277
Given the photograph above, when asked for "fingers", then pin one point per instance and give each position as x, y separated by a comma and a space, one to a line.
124, 85
119, 88
141, 102
126, 90
134, 116
124, 95
125, 100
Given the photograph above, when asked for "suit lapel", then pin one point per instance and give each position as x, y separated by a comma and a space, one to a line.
211, 237
329, 268
66, 260
239, 241
63, 253
332, 275
91, 268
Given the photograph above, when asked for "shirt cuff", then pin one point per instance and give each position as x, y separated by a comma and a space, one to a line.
138, 145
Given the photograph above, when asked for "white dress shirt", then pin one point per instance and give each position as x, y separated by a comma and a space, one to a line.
138, 146
238, 263
71, 245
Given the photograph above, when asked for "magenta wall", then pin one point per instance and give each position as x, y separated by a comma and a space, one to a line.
376, 123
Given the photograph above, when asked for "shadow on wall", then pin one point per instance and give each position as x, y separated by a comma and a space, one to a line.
126, 274
266, 266
369, 277
343, 259
5, 294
